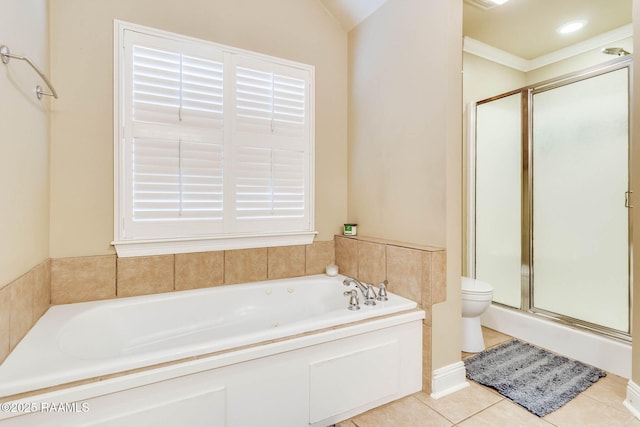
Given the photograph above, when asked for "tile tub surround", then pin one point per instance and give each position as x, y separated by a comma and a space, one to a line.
81, 279
92, 278
415, 272
22, 302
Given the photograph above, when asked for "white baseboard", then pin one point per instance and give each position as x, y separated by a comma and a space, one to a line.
632, 402
448, 379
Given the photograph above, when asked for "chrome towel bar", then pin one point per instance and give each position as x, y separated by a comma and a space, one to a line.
5, 54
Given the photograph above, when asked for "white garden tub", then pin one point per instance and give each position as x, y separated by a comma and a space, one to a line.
205, 330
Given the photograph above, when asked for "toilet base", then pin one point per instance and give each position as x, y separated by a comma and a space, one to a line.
472, 340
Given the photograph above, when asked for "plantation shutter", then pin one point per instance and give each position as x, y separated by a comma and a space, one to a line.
271, 153
214, 147
177, 142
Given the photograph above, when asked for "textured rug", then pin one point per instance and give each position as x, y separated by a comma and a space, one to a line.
534, 378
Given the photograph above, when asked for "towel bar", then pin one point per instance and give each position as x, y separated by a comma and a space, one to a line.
5, 54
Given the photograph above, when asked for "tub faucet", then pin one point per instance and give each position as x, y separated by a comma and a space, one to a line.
366, 289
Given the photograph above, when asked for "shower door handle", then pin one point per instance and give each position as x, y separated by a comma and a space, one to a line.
627, 199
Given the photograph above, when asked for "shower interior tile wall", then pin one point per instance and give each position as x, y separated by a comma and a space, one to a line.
413, 271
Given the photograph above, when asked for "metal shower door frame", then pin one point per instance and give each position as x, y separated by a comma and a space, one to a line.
527, 267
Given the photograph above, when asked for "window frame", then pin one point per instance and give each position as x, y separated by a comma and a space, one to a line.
127, 246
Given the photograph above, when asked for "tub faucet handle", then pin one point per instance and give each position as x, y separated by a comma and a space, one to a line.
370, 295
354, 304
382, 291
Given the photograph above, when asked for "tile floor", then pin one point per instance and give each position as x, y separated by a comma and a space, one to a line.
476, 405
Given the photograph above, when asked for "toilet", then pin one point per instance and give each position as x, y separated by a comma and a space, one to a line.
476, 298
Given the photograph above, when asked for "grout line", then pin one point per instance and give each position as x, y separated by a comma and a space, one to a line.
480, 411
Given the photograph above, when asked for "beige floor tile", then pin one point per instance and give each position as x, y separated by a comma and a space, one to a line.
504, 414
585, 411
633, 422
406, 412
462, 404
493, 338
611, 390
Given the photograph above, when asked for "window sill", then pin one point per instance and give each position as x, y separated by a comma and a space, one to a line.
126, 249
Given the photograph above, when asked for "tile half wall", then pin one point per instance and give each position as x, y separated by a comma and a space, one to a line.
413, 271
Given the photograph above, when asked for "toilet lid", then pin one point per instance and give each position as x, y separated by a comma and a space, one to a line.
474, 285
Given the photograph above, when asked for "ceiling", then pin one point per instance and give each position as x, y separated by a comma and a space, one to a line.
351, 12
525, 28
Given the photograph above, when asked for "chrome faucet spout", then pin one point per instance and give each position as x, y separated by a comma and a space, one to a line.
350, 280
366, 289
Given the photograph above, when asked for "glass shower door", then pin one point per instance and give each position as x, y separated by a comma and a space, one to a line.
498, 178
580, 174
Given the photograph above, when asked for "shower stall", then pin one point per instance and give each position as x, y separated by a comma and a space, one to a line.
549, 221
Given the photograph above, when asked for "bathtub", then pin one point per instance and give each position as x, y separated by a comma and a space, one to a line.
295, 337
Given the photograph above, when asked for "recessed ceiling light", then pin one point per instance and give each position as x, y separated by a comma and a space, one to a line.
571, 27
499, 1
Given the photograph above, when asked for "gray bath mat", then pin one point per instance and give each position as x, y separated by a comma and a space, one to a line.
534, 378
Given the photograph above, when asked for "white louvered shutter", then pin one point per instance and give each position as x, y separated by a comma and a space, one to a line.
176, 135
214, 144
271, 150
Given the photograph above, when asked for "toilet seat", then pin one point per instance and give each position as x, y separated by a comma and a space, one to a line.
473, 286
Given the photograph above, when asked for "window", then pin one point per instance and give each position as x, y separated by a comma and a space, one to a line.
213, 146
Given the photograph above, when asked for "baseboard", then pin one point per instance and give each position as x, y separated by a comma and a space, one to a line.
632, 402
448, 379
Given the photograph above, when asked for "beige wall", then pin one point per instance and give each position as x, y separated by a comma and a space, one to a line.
484, 79
24, 144
397, 67
405, 99
82, 122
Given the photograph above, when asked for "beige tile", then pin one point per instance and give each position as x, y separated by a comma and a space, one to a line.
42, 289
245, 265
372, 262
493, 338
427, 279
346, 424
347, 255
585, 411
463, 403
406, 412
438, 277
199, 270
80, 279
145, 275
21, 307
504, 414
632, 422
319, 255
404, 272
5, 322
611, 390
286, 261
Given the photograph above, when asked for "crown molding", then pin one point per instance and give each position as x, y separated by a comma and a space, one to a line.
483, 50
499, 56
